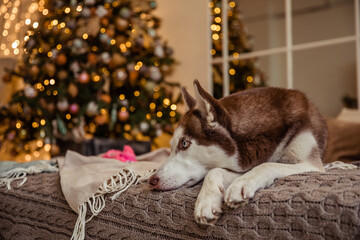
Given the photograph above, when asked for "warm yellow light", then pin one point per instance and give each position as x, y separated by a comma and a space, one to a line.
218, 19
52, 81
35, 25
35, 125
137, 67
42, 122
123, 109
136, 93
232, 4
96, 78
54, 22
58, 47
36, 154
46, 82
213, 27
62, 25
68, 116
215, 36
85, 36
67, 10
112, 41
28, 157
18, 125
159, 114
122, 97
67, 31
123, 47
232, 71
45, 12
5, 33
79, 8
49, 54
173, 107
102, 111
127, 127
152, 106
212, 51
102, 30
128, 44
217, 10
211, 4
27, 21
148, 116
172, 114
166, 102
47, 147
250, 79
39, 143
236, 55
55, 92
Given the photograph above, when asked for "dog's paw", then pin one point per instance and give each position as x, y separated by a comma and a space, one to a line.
240, 191
208, 206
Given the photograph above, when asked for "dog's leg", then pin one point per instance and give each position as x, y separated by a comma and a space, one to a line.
209, 201
262, 176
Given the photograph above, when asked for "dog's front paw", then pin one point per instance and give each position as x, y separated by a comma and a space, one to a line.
208, 206
241, 190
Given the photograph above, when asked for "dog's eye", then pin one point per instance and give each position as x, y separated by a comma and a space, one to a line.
184, 144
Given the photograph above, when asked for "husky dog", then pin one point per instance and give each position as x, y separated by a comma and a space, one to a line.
239, 144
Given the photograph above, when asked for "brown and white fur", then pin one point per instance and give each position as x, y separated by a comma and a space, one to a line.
241, 143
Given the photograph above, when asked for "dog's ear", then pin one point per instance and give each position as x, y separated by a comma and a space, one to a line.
190, 101
209, 107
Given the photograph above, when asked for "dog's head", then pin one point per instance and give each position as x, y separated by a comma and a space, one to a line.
200, 142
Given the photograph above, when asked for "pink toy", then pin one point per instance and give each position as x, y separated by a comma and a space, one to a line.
127, 155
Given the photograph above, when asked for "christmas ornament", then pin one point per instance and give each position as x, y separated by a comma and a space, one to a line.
75, 67
84, 78
60, 125
73, 90
50, 107
159, 51
155, 73
121, 24
101, 119
105, 57
104, 38
125, 12
101, 11
106, 98
91, 109
74, 108
120, 75
50, 68
34, 70
92, 58
62, 105
61, 59
117, 60
123, 115
29, 91
144, 126
86, 12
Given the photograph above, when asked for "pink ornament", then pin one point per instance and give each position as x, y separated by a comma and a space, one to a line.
123, 115
74, 108
127, 155
84, 78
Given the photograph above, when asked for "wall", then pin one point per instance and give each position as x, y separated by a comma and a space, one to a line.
185, 26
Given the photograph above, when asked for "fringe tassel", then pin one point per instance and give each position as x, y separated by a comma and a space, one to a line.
118, 183
339, 165
79, 230
21, 173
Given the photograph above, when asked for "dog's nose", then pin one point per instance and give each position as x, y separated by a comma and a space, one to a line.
154, 180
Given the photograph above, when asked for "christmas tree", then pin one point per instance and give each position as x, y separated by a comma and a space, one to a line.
243, 73
92, 68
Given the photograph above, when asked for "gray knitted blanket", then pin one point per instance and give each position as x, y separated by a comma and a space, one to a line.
303, 206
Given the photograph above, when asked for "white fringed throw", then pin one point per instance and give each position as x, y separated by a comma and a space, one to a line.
85, 181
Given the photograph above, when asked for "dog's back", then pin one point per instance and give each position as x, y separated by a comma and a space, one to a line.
263, 120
